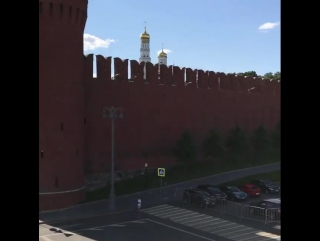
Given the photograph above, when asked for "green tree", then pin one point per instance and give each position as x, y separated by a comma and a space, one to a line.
212, 145
248, 73
184, 149
268, 75
236, 141
277, 75
260, 140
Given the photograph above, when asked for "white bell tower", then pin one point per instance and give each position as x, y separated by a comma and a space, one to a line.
145, 47
162, 57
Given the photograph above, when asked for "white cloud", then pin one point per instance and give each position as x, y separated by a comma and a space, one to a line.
164, 50
267, 26
91, 42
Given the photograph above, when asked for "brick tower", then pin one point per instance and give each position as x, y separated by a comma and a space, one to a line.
61, 102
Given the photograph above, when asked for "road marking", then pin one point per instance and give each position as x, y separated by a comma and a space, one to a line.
162, 210
199, 216
181, 230
226, 234
268, 235
96, 229
138, 221
69, 226
209, 224
233, 227
52, 234
204, 220
253, 238
219, 226
241, 234
93, 216
164, 205
109, 225
179, 214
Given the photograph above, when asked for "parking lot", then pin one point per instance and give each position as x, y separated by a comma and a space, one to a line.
239, 210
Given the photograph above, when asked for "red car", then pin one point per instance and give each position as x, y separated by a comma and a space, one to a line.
250, 189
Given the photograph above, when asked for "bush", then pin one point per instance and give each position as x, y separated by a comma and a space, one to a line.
212, 145
185, 149
236, 142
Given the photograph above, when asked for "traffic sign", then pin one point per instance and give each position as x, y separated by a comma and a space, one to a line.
161, 172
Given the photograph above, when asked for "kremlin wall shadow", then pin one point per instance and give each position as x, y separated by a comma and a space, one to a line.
157, 110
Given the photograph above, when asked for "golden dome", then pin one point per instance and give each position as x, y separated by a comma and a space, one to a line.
145, 35
162, 55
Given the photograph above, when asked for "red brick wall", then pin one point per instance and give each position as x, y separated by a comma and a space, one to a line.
61, 100
156, 114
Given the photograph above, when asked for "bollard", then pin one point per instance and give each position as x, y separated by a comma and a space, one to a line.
266, 216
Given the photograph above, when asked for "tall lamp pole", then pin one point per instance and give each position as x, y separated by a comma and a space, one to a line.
112, 115
146, 173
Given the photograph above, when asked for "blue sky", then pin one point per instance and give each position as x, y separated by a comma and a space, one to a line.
216, 35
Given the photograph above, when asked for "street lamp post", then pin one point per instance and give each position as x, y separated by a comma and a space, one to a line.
112, 115
146, 173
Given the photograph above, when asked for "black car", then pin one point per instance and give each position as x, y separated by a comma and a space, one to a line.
233, 193
198, 197
214, 191
273, 205
267, 186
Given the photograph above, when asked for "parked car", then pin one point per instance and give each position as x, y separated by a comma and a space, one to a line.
214, 191
266, 186
198, 197
272, 204
233, 193
250, 189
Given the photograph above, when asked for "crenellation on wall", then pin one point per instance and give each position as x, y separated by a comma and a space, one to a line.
251, 84
278, 88
66, 13
258, 85
233, 82
178, 76
137, 72
88, 66
165, 75
191, 81
182, 77
120, 70
224, 81
103, 65
171, 75
268, 87
152, 73
243, 86
213, 81
202, 79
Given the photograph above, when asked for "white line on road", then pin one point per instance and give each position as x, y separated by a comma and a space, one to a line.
181, 230
69, 226
109, 225
94, 216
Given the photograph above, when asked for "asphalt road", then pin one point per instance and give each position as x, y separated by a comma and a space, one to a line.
167, 222
125, 226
